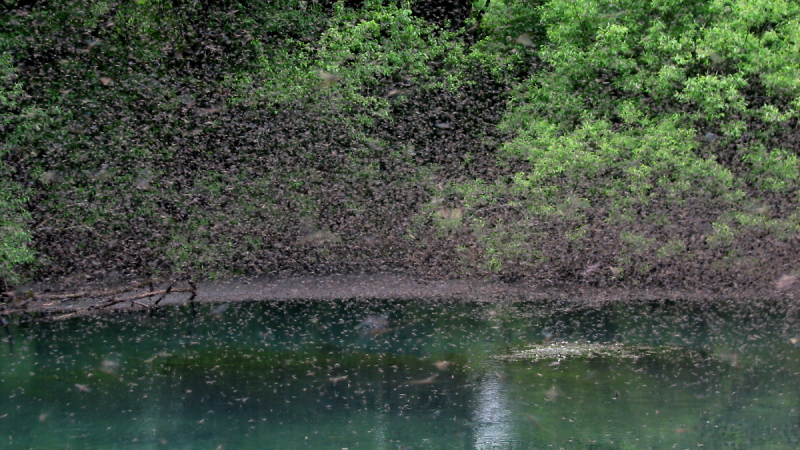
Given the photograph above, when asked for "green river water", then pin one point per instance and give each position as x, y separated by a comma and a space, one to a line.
411, 374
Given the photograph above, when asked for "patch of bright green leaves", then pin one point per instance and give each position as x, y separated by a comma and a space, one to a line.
612, 125
348, 69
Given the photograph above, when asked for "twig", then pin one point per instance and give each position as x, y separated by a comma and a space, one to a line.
167, 291
193, 290
114, 301
164, 291
108, 303
83, 294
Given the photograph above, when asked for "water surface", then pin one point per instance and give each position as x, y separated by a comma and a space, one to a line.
394, 374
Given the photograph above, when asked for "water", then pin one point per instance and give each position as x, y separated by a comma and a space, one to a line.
405, 374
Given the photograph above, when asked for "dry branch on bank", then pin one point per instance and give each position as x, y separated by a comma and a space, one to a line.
93, 300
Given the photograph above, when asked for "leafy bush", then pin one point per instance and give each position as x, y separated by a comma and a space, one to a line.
15, 235
624, 130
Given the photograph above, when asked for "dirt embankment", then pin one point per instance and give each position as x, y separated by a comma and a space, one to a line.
48, 301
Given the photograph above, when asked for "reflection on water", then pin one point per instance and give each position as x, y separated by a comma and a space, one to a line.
406, 374
493, 414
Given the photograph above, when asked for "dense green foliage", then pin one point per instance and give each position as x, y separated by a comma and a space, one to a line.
653, 130
593, 140
14, 234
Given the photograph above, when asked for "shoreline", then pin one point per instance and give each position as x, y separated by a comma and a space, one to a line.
365, 287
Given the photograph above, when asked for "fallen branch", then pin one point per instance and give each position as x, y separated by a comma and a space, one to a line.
165, 294
169, 290
107, 304
86, 294
20, 303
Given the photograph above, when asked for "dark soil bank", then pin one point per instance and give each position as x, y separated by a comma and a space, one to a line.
42, 300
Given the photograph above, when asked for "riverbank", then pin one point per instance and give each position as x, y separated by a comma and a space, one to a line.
44, 300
